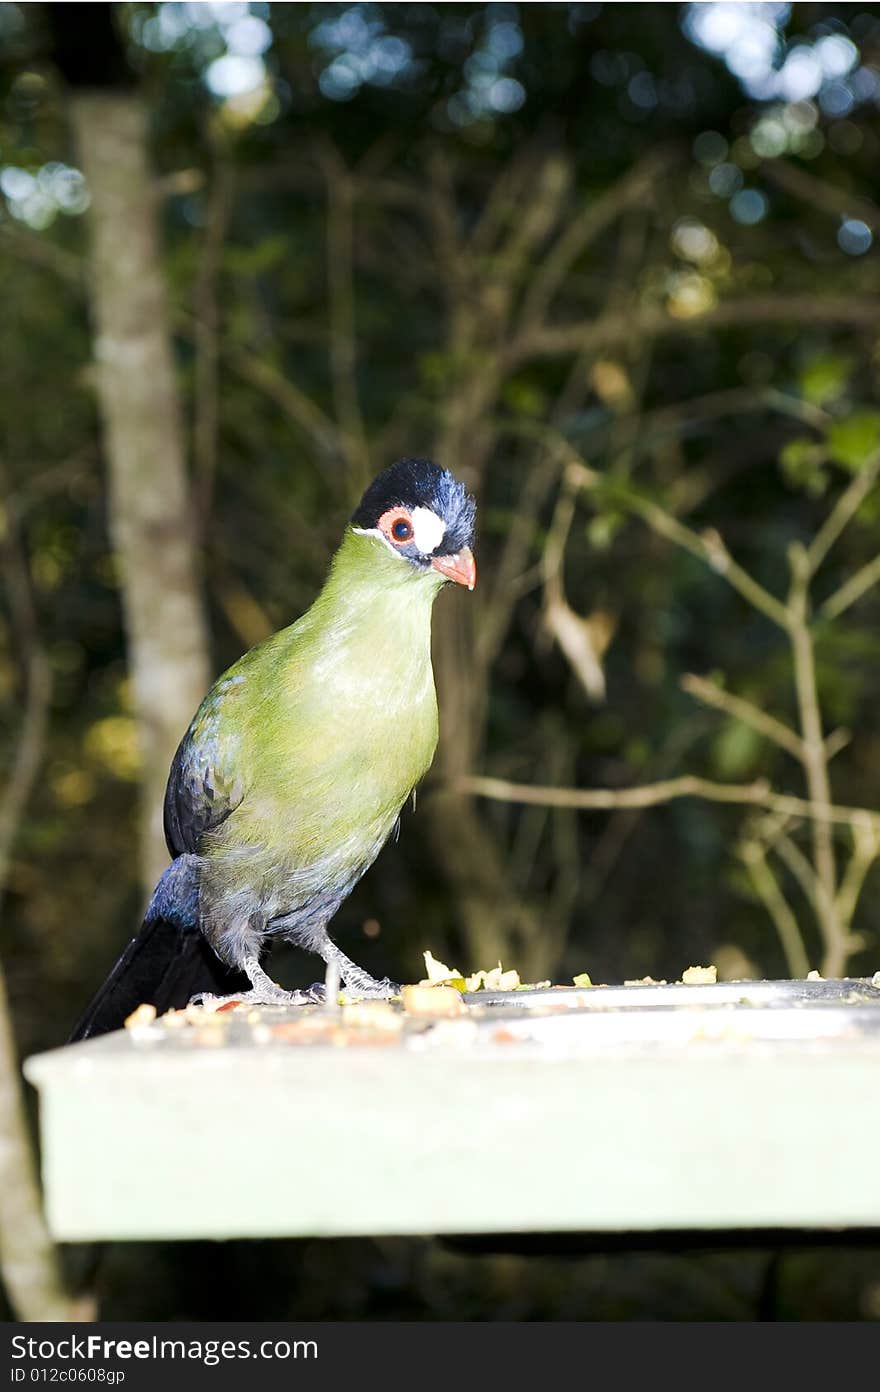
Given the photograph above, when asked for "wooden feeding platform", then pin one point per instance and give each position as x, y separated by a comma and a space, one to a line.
619, 1110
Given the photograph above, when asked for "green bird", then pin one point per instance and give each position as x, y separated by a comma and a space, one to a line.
295, 768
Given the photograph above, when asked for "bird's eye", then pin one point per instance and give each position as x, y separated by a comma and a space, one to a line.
402, 530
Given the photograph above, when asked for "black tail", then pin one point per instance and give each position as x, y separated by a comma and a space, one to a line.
165, 965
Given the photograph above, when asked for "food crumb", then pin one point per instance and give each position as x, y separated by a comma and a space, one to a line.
433, 1000
700, 976
496, 979
438, 974
144, 1014
376, 1015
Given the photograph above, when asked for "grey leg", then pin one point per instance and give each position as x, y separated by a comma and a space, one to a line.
354, 977
315, 939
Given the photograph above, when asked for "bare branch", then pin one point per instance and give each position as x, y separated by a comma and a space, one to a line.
733, 401
800, 868
814, 758
207, 328
179, 182
756, 794
583, 229
866, 848
514, 554
533, 223
508, 192
582, 641
857, 585
711, 694
842, 513
392, 192
771, 896
794, 406
837, 740
650, 321
443, 214
707, 546
295, 403
818, 193
343, 339
31, 246
509, 578
554, 547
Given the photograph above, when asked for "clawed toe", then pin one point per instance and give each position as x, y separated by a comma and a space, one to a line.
252, 998
265, 991
371, 989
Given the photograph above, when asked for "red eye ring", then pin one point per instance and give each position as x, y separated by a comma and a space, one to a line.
397, 526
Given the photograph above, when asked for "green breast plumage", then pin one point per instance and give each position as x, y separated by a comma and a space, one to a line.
324, 731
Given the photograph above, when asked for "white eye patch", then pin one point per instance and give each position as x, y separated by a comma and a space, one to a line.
428, 529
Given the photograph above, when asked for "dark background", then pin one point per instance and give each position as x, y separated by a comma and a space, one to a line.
710, 348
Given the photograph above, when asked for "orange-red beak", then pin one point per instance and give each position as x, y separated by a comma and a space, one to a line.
462, 568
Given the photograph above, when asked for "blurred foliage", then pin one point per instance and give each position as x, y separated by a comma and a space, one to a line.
753, 427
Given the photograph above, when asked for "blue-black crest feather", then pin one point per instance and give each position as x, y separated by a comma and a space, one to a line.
414, 482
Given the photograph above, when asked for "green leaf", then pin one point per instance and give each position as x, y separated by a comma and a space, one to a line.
736, 750
603, 528
524, 398
436, 369
853, 442
801, 462
825, 379
263, 255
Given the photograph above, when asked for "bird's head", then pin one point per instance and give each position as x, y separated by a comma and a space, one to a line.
424, 516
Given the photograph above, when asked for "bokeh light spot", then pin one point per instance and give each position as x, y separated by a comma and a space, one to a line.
234, 75
854, 237
748, 206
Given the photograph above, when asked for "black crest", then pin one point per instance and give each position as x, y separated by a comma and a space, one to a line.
415, 483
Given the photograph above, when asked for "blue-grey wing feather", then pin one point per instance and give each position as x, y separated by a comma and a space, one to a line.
200, 793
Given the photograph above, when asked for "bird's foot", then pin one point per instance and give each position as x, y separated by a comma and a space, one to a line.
258, 996
356, 981
264, 991
360, 983
366, 988
316, 993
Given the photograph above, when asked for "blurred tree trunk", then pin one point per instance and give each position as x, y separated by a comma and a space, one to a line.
29, 1262
150, 512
